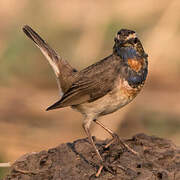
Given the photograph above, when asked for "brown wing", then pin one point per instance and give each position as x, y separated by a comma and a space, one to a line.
92, 83
63, 71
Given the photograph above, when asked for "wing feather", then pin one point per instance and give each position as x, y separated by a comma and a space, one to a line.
92, 83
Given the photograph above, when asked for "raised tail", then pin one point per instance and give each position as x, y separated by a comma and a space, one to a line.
63, 70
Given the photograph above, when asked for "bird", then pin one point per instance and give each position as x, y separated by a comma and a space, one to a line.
101, 88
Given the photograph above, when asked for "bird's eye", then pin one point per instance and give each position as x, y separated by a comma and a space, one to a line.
135, 40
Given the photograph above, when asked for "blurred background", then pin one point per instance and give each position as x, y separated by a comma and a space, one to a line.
82, 32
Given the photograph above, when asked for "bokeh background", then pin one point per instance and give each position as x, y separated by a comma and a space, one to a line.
83, 32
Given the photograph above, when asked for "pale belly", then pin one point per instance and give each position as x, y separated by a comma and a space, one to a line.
111, 102
107, 104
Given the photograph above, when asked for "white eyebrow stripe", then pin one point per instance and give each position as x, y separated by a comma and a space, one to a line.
134, 35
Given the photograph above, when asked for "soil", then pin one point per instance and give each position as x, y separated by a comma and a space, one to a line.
158, 159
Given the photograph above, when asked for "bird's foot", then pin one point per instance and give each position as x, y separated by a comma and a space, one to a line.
99, 170
129, 149
116, 139
107, 167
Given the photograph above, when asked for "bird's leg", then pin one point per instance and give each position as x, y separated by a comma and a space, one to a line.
115, 137
86, 125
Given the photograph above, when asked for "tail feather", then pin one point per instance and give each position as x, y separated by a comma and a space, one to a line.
63, 70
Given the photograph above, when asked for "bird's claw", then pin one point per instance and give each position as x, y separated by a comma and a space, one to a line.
107, 167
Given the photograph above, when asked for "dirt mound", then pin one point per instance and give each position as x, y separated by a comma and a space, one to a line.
158, 159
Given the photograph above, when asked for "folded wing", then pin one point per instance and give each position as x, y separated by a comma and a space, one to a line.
91, 83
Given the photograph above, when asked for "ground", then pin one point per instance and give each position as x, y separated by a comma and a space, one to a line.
158, 159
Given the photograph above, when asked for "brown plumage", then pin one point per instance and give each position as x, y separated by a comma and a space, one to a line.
103, 87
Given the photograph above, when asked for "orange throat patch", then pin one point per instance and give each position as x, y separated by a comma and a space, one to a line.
134, 64
129, 91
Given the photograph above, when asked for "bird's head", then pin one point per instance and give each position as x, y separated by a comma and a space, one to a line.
128, 38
